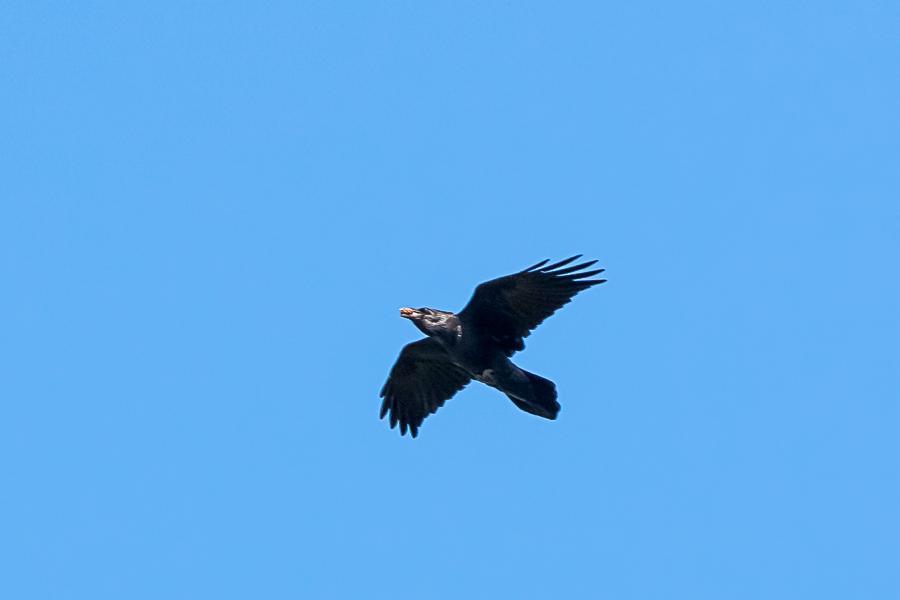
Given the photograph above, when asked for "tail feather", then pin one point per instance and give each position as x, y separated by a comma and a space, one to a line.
542, 399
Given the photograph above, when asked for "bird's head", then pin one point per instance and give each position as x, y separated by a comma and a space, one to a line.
428, 320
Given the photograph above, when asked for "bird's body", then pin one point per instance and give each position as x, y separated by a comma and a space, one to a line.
477, 343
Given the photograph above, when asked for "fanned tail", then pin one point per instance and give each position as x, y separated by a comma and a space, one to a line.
542, 399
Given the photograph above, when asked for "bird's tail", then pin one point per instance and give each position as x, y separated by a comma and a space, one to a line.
541, 400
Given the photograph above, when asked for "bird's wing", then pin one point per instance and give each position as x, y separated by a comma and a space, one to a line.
422, 379
508, 308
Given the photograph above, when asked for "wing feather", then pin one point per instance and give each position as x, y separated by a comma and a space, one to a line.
421, 380
509, 308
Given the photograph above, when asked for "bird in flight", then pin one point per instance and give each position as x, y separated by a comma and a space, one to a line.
477, 343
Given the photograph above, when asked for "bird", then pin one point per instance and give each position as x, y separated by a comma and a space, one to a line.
477, 343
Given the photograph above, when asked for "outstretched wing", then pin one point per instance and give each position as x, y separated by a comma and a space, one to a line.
509, 308
422, 379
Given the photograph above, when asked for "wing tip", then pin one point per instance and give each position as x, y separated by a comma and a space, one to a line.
561, 263
536, 265
577, 276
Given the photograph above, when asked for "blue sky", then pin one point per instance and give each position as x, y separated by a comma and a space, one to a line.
210, 213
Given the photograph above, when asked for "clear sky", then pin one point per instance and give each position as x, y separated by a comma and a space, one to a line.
210, 213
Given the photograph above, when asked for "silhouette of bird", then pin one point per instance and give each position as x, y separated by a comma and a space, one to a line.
477, 343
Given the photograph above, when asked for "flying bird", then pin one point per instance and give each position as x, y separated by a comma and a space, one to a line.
477, 343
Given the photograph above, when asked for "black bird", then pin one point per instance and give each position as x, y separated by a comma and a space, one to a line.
477, 343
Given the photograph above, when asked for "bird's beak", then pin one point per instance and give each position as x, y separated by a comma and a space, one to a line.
407, 313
